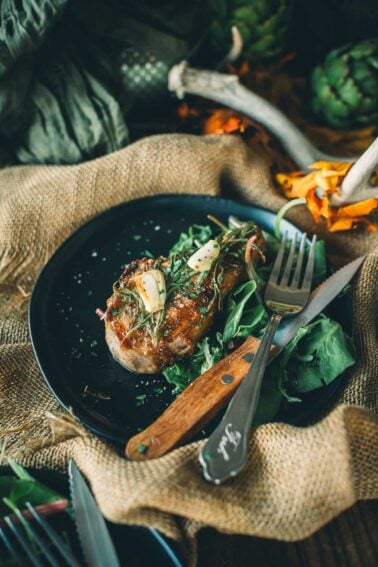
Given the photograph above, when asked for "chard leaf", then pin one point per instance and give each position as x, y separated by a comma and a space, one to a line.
317, 355
249, 320
239, 297
180, 375
283, 360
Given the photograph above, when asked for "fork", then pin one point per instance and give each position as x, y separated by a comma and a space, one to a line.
34, 550
226, 451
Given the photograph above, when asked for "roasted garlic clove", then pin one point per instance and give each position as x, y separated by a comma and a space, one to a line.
150, 286
203, 259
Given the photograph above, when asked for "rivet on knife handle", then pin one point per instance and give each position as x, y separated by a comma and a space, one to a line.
194, 407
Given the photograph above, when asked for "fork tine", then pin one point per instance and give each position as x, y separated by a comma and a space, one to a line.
278, 261
47, 553
54, 537
307, 278
298, 268
11, 549
24, 543
289, 262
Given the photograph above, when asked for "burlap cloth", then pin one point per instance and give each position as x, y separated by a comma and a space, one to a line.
297, 479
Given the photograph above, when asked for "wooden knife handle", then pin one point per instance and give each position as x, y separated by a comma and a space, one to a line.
195, 407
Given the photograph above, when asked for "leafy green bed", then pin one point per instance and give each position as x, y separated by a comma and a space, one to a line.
317, 355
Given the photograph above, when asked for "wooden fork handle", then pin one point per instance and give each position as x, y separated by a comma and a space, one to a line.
195, 407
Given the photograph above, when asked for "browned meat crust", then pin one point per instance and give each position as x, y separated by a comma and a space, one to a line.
186, 319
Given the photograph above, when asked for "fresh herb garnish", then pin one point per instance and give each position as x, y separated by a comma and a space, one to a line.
208, 352
194, 238
181, 278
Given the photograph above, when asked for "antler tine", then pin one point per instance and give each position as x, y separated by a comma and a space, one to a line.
236, 47
227, 90
355, 186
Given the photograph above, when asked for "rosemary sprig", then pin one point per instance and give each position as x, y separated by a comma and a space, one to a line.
180, 278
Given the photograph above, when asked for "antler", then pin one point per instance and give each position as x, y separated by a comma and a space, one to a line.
356, 186
236, 47
227, 90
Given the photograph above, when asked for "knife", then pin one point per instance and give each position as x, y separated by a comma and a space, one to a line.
319, 299
93, 533
211, 391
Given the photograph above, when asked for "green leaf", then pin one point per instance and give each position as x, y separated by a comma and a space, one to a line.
19, 470
318, 354
240, 296
250, 320
15, 492
208, 352
187, 240
19, 491
320, 266
180, 375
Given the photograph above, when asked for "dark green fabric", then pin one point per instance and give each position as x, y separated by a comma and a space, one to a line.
71, 71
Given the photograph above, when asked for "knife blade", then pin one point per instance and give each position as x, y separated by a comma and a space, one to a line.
211, 391
319, 299
93, 532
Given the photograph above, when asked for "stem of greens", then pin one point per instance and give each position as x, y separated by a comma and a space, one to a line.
17, 512
218, 223
282, 212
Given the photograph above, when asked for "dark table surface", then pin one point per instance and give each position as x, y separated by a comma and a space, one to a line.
350, 540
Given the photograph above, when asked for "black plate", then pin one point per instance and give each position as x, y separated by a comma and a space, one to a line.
67, 336
136, 546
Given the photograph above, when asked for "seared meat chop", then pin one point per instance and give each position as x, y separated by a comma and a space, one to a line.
189, 313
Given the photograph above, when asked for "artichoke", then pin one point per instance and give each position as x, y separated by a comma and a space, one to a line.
344, 86
263, 25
